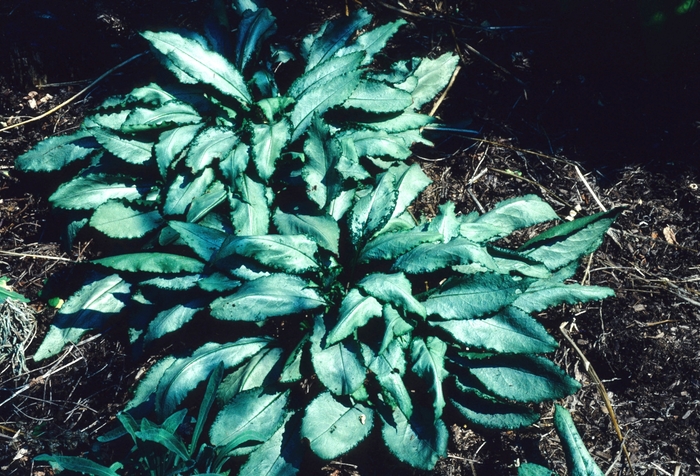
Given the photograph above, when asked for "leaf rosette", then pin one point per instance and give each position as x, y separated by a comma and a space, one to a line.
287, 219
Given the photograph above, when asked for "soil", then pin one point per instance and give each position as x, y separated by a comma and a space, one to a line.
589, 106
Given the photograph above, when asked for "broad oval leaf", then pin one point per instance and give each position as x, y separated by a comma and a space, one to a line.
322, 229
170, 320
419, 441
428, 357
171, 143
251, 417
429, 257
373, 96
268, 142
89, 308
212, 143
253, 29
578, 459
433, 75
474, 295
508, 216
355, 311
118, 220
278, 456
55, 153
184, 189
253, 374
547, 293
379, 144
204, 241
292, 253
129, 150
394, 289
268, 296
371, 212
334, 428
338, 366
523, 378
566, 243
93, 190
153, 262
184, 374
389, 246
250, 212
200, 63
319, 98
487, 412
170, 113
511, 331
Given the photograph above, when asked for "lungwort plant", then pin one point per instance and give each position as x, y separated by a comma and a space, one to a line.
285, 214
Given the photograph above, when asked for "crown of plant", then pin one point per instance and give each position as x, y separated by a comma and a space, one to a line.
286, 214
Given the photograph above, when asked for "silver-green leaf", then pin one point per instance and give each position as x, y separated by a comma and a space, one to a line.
334, 428
89, 308
394, 289
292, 253
212, 143
474, 295
355, 311
322, 229
91, 191
268, 296
511, 331
170, 113
200, 63
268, 142
523, 378
252, 416
373, 96
119, 220
55, 153
152, 262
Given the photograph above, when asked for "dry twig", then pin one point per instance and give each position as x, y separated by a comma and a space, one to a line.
74, 97
603, 393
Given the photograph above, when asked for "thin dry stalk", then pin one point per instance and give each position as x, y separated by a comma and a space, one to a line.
603, 393
437, 104
30, 255
532, 182
17, 330
590, 189
74, 97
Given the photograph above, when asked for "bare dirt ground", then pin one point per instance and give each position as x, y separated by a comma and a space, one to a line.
585, 107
